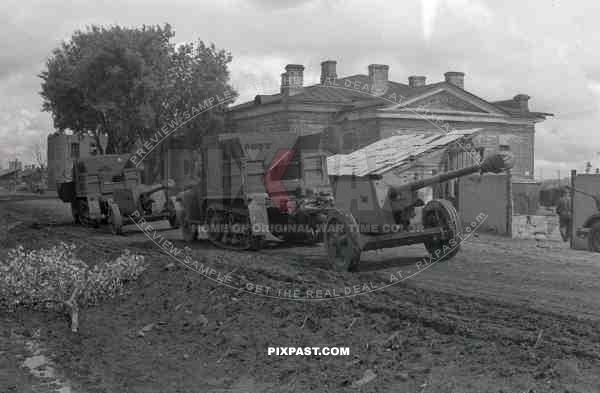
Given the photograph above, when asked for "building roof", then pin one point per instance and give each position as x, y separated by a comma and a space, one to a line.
29, 172
391, 153
513, 107
4, 173
353, 92
345, 90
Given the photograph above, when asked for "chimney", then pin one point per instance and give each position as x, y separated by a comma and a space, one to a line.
292, 79
416, 81
378, 74
455, 78
328, 72
523, 100
284, 82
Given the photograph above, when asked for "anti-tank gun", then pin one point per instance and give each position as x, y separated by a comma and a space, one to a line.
372, 214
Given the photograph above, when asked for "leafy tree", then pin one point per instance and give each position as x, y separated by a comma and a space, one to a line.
200, 72
128, 83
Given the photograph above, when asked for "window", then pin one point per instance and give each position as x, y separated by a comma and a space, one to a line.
348, 141
75, 150
504, 148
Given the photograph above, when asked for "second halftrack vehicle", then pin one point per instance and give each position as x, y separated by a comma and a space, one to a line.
232, 205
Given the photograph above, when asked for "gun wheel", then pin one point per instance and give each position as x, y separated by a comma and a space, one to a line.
441, 213
342, 241
115, 220
594, 237
81, 212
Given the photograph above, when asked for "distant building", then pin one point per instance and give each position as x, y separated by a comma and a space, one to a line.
352, 112
16, 164
8, 179
19, 175
357, 110
63, 149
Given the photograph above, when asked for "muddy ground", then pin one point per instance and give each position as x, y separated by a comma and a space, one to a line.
502, 316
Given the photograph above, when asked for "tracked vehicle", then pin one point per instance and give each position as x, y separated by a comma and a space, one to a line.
106, 189
256, 189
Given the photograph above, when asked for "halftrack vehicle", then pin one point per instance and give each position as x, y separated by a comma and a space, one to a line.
106, 189
232, 207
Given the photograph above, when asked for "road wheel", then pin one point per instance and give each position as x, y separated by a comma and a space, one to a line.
342, 241
115, 220
231, 230
594, 237
441, 213
75, 212
257, 243
189, 231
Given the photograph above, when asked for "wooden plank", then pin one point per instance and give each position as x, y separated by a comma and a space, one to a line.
388, 153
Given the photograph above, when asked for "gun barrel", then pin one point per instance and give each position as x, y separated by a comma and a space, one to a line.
152, 190
417, 185
496, 163
145, 190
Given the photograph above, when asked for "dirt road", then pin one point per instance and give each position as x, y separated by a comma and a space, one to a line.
503, 316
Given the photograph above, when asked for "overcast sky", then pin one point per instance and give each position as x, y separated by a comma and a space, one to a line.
546, 49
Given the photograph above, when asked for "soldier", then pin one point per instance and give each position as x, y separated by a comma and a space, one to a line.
564, 214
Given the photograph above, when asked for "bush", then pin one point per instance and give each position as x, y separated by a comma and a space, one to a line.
50, 279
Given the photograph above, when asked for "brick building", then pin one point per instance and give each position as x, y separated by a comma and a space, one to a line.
356, 110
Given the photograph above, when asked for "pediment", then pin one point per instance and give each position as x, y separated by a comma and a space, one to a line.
448, 99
